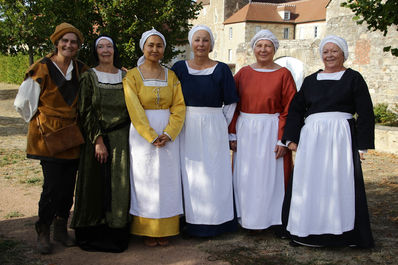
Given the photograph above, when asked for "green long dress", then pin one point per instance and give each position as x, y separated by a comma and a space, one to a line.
102, 200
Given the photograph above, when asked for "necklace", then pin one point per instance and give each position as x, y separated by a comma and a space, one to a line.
147, 74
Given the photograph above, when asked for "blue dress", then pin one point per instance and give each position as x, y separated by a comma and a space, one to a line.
205, 156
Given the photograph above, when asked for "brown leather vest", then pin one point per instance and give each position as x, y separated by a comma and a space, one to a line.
56, 108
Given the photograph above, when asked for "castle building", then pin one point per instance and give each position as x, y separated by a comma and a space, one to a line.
300, 25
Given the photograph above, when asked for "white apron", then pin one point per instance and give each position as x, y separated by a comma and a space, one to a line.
323, 196
206, 167
155, 172
258, 176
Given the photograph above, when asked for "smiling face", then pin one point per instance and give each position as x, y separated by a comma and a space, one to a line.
264, 51
67, 45
201, 43
105, 51
332, 57
154, 48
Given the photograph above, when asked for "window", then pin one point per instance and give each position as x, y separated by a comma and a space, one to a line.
315, 31
258, 28
286, 15
286, 33
230, 33
229, 55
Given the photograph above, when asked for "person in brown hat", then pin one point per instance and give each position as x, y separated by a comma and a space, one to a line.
47, 99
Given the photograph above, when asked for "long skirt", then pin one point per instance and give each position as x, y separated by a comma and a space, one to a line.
328, 202
206, 171
258, 176
102, 198
156, 191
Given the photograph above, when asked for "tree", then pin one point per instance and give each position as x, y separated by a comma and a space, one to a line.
127, 20
26, 25
378, 14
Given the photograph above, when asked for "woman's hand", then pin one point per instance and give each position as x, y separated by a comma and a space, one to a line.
161, 140
292, 146
232, 145
280, 151
101, 153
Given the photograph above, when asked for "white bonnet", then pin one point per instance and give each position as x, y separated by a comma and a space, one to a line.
336, 40
265, 34
143, 39
149, 33
103, 37
201, 27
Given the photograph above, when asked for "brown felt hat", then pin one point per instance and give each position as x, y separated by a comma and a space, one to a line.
64, 28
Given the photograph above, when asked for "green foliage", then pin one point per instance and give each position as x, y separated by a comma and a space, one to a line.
384, 116
127, 20
378, 14
13, 214
33, 181
26, 25
13, 67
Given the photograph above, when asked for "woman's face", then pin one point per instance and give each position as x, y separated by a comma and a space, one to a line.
201, 43
264, 51
105, 51
332, 56
68, 45
154, 48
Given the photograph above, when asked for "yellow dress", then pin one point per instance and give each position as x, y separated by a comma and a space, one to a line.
155, 107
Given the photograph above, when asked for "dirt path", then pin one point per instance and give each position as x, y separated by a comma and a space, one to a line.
20, 186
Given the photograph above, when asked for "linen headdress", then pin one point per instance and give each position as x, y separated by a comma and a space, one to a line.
201, 27
143, 39
116, 58
103, 37
64, 28
336, 40
265, 34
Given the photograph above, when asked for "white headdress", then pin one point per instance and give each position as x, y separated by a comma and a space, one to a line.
336, 40
201, 27
265, 34
102, 38
143, 39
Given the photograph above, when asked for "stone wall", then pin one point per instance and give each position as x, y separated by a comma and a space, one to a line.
379, 68
307, 30
366, 55
386, 139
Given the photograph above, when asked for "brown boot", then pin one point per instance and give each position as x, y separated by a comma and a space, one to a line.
43, 238
61, 233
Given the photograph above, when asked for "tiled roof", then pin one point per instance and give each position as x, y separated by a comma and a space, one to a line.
301, 11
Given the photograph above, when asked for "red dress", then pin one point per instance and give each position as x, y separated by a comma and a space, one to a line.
266, 92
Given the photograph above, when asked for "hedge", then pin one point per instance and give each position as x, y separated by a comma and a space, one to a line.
13, 68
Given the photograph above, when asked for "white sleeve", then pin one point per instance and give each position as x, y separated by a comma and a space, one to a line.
228, 111
27, 99
281, 144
